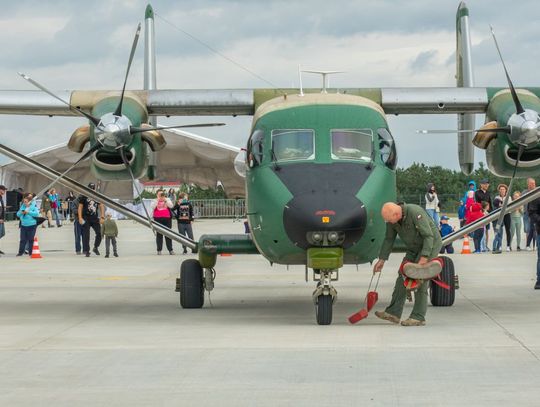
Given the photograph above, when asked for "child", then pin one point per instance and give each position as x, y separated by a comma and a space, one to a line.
445, 230
110, 231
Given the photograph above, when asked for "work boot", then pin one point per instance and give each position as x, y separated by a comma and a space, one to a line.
96, 251
387, 316
412, 322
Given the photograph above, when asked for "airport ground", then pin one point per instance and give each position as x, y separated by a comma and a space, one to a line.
95, 331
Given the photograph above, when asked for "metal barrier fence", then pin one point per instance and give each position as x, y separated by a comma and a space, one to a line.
219, 208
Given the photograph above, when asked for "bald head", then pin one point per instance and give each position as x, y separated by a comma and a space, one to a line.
391, 212
531, 184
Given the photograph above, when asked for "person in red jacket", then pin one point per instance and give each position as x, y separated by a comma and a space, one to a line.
474, 212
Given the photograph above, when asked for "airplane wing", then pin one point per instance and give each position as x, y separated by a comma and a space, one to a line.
224, 102
188, 158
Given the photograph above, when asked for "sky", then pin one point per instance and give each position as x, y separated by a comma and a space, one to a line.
67, 45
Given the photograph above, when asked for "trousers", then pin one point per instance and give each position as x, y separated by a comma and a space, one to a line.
399, 295
94, 224
108, 241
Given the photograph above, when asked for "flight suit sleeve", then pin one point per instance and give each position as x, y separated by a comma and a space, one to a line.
421, 223
388, 243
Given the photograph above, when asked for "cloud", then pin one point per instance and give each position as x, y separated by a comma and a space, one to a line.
423, 60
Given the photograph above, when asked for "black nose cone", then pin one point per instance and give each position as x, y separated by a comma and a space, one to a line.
324, 199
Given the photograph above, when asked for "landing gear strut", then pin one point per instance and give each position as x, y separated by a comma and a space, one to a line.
324, 295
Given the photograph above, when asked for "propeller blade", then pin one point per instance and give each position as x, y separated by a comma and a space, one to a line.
134, 130
118, 111
91, 151
94, 120
126, 163
495, 129
521, 148
519, 107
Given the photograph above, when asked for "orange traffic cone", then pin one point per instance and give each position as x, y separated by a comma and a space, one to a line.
466, 248
35, 250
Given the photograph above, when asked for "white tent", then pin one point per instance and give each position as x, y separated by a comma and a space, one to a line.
187, 158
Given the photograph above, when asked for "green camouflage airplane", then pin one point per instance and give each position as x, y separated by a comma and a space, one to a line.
318, 165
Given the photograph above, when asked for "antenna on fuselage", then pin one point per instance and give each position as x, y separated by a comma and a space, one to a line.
324, 80
300, 76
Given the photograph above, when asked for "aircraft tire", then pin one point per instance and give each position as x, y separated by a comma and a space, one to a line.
441, 297
191, 284
323, 310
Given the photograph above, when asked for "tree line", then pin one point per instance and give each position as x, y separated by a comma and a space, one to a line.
450, 184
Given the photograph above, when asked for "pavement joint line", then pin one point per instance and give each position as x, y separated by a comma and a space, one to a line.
504, 329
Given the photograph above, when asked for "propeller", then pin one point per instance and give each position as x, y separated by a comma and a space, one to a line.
118, 111
95, 121
523, 132
523, 127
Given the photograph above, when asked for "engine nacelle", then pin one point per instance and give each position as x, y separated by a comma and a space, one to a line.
501, 151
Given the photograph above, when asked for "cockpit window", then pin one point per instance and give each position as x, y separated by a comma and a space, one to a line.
293, 144
387, 148
352, 144
254, 154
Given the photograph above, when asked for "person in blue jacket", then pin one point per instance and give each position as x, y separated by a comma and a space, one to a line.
27, 213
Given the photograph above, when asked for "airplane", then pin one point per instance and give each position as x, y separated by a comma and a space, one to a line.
318, 163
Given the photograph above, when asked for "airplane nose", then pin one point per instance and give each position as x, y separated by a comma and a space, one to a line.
311, 220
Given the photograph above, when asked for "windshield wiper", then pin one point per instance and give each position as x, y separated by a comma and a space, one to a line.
274, 160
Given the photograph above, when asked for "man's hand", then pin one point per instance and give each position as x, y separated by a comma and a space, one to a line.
81, 221
378, 266
422, 261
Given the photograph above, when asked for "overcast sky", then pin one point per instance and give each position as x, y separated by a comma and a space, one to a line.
379, 43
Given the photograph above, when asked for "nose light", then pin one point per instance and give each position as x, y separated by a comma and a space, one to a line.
325, 238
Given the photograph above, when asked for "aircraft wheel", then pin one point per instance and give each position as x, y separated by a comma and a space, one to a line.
323, 309
441, 297
191, 284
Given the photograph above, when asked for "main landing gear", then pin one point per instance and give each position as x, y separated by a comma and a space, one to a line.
192, 283
325, 295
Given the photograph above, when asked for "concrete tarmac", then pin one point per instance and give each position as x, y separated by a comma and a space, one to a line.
78, 331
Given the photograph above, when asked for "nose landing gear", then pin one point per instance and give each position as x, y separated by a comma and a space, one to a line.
325, 295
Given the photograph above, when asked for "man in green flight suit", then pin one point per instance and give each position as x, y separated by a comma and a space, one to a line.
423, 241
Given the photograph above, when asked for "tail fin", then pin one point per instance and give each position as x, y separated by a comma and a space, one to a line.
465, 79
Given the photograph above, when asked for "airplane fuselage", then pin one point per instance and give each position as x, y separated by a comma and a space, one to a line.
320, 167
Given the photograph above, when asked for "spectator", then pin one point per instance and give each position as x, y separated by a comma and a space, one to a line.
77, 227
2, 213
432, 203
161, 207
461, 213
55, 206
27, 214
534, 219
471, 187
88, 213
498, 203
483, 195
183, 211
171, 195
474, 212
71, 206
110, 231
530, 232
515, 223
446, 229
46, 210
